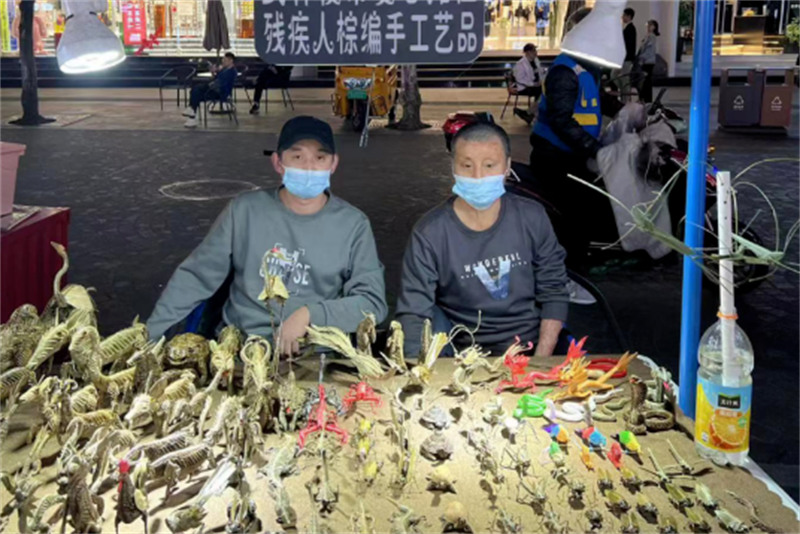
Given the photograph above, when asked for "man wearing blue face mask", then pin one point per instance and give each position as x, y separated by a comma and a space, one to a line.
322, 246
483, 251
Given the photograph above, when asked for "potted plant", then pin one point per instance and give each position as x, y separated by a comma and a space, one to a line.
792, 37
9, 160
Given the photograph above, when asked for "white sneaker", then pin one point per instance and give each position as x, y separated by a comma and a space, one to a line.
579, 294
188, 113
191, 123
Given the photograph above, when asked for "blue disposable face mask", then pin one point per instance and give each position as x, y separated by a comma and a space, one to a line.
305, 183
480, 193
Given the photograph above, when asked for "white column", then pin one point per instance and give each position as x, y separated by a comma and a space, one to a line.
668, 42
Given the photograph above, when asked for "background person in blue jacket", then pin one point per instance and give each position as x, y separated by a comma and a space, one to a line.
567, 129
220, 86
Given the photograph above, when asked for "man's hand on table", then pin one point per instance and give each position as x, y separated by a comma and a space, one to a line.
548, 337
292, 330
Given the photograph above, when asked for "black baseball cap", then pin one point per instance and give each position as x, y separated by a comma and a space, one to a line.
306, 127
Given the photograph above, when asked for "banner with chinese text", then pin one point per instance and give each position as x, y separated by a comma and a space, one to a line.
358, 32
134, 22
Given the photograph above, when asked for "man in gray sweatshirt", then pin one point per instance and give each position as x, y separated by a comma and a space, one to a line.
322, 246
484, 252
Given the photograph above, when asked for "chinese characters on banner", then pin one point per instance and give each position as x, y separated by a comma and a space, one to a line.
358, 32
134, 23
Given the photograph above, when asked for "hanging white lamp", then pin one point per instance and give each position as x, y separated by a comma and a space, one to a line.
87, 45
598, 37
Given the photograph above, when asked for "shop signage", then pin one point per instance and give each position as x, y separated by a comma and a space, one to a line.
358, 32
134, 23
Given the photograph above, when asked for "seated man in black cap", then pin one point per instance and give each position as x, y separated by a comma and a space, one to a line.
322, 247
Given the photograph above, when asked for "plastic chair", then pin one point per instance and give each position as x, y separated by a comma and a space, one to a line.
176, 78
512, 91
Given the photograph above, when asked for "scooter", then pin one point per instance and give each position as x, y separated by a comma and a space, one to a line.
604, 246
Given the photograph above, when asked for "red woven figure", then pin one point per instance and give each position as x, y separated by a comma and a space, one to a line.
324, 421
517, 364
360, 392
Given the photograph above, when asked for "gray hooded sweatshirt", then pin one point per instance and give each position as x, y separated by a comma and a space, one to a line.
328, 260
513, 273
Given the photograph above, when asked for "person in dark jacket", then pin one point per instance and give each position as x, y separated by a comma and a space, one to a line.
270, 76
220, 86
567, 130
629, 34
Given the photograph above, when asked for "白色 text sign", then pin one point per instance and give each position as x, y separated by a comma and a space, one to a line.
357, 32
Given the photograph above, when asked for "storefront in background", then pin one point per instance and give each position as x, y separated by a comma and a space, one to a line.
510, 25
176, 27
752, 27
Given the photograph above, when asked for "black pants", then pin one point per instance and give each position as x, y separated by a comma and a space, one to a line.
646, 94
202, 93
535, 92
265, 79
576, 203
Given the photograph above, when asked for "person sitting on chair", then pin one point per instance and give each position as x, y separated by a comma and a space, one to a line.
270, 76
528, 75
222, 84
483, 251
321, 246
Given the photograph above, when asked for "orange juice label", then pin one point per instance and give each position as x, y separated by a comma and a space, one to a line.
722, 420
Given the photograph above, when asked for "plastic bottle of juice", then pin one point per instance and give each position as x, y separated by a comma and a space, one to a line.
722, 422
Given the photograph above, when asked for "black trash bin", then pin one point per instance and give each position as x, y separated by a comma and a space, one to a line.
740, 97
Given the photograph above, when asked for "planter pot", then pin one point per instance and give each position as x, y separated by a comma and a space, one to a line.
9, 161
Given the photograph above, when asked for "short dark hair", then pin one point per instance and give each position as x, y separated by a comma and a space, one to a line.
654, 24
629, 11
230, 55
528, 47
482, 131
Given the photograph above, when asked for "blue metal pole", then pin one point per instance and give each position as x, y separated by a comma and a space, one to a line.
695, 201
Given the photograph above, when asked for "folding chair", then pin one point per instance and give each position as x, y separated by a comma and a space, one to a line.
223, 101
178, 78
512, 91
